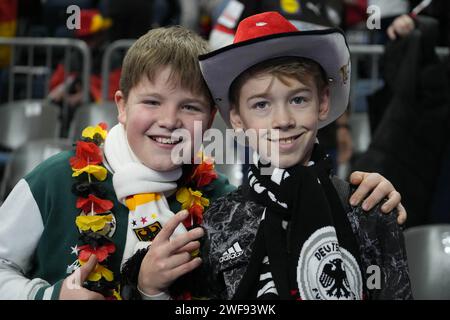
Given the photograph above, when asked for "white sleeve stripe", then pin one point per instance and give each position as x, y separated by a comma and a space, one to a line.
48, 293
14, 285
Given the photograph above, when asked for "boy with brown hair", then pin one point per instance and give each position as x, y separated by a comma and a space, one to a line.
92, 209
291, 234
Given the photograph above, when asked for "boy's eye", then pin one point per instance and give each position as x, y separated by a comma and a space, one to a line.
151, 102
260, 105
189, 107
298, 100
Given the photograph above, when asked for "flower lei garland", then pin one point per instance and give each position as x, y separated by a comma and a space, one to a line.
191, 198
95, 220
191, 195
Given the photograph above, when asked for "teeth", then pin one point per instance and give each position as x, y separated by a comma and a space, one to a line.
286, 141
165, 140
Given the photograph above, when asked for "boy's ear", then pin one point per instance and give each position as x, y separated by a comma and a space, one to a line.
235, 119
120, 103
324, 104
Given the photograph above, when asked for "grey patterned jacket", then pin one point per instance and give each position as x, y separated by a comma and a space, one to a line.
233, 218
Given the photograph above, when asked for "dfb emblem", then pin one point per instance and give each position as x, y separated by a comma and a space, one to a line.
327, 271
334, 275
148, 233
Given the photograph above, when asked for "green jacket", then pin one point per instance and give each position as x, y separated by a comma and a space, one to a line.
38, 235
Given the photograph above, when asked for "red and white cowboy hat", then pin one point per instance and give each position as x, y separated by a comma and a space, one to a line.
269, 35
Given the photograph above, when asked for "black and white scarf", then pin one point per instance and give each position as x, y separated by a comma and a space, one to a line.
304, 247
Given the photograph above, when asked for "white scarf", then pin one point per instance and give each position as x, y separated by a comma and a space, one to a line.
141, 189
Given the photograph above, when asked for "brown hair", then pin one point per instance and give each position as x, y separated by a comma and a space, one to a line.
299, 68
176, 47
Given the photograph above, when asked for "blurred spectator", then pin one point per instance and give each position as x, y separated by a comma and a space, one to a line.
8, 29
413, 133
389, 10
440, 10
190, 14
131, 18
30, 19
8, 24
93, 31
355, 12
213, 8
55, 14
401, 27
303, 14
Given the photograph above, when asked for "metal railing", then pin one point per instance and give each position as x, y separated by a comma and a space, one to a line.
49, 44
106, 62
374, 52
356, 51
360, 120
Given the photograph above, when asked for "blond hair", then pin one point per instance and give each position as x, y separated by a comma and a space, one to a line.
302, 69
174, 47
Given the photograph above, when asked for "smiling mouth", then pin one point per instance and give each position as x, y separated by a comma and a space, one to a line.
166, 140
287, 140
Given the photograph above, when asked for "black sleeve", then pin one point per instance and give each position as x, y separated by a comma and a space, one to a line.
382, 245
205, 282
393, 256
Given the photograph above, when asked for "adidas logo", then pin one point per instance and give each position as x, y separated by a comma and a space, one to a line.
232, 253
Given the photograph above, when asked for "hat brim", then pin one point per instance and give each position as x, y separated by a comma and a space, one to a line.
327, 47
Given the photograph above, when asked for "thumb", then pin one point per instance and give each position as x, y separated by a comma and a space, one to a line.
88, 267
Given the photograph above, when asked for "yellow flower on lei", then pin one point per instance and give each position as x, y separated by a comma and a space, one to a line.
94, 223
89, 132
99, 272
99, 172
189, 197
116, 294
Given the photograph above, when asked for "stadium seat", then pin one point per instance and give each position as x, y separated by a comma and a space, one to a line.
28, 156
26, 120
428, 250
90, 115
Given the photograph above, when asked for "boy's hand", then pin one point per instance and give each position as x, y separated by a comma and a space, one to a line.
381, 188
168, 259
72, 289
